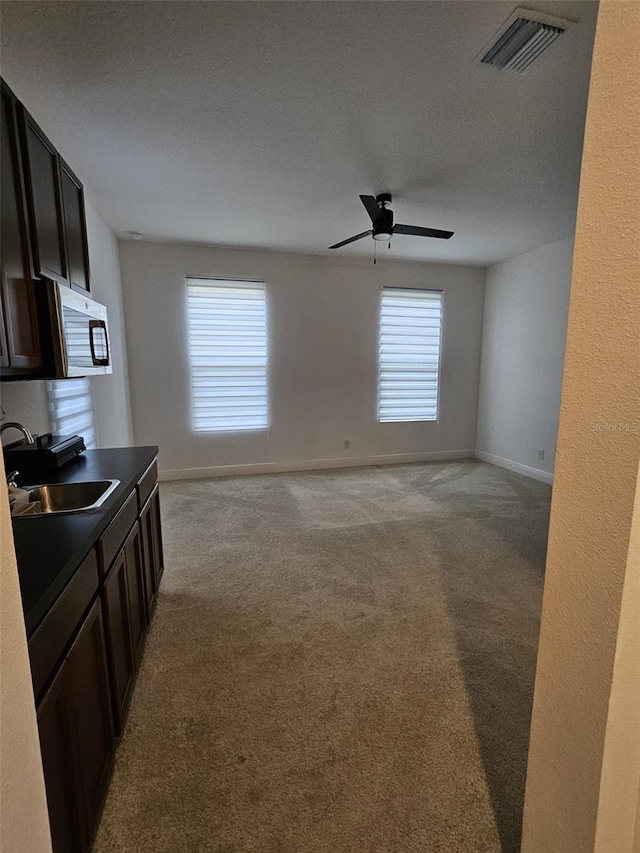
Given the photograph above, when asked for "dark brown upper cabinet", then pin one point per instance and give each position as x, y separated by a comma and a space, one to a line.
55, 199
43, 236
20, 342
44, 199
75, 228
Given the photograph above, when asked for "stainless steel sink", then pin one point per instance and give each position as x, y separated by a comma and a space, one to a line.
68, 497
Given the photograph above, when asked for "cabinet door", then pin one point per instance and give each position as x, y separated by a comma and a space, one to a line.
76, 738
75, 228
4, 353
153, 560
92, 722
119, 643
19, 335
136, 590
158, 556
148, 557
42, 176
61, 773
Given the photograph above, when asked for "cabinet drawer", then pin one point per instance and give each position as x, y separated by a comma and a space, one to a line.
51, 638
113, 538
146, 483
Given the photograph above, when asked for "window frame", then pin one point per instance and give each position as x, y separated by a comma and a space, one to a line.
204, 279
433, 290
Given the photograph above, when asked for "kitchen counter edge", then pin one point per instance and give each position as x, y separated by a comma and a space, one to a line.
50, 548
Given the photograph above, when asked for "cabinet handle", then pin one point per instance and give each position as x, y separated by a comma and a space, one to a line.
93, 325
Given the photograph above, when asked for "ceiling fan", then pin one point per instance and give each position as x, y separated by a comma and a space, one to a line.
382, 221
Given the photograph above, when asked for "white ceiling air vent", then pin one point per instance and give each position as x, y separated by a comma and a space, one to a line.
522, 39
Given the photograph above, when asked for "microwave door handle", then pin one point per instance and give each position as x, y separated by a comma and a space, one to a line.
93, 325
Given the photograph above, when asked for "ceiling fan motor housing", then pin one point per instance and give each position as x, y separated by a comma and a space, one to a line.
383, 226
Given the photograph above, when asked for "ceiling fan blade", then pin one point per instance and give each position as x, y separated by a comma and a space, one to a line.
372, 207
352, 239
416, 231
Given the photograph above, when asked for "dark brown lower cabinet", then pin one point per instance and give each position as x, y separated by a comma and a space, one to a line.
146, 529
77, 738
136, 588
120, 644
151, 529
126, 619
158, 556
101, 618
60, 767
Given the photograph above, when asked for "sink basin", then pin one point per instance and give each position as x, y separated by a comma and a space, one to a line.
68, 497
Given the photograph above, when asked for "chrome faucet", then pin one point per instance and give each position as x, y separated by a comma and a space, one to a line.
27, 434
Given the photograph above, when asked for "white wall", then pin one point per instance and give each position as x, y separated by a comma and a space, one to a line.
26, 402
323, 321
24, 821
110, 392
523, 340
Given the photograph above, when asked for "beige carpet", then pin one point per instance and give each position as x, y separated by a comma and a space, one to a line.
340, 661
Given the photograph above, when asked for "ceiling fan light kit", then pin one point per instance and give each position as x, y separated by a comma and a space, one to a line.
382, 221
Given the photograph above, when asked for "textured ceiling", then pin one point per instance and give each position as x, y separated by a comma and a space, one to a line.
259, 123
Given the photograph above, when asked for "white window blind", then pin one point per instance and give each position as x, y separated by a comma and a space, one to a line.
410, 323
71, 408
228, 354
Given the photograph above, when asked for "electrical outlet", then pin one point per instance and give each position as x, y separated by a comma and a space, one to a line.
347, 444
541, 454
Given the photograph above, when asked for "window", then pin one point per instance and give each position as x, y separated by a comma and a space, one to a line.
71, 408
410, 322
227, 354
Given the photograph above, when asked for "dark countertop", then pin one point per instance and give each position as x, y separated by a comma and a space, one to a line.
49, 548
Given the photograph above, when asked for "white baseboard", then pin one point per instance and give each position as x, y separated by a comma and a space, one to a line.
526, 470
312, 465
